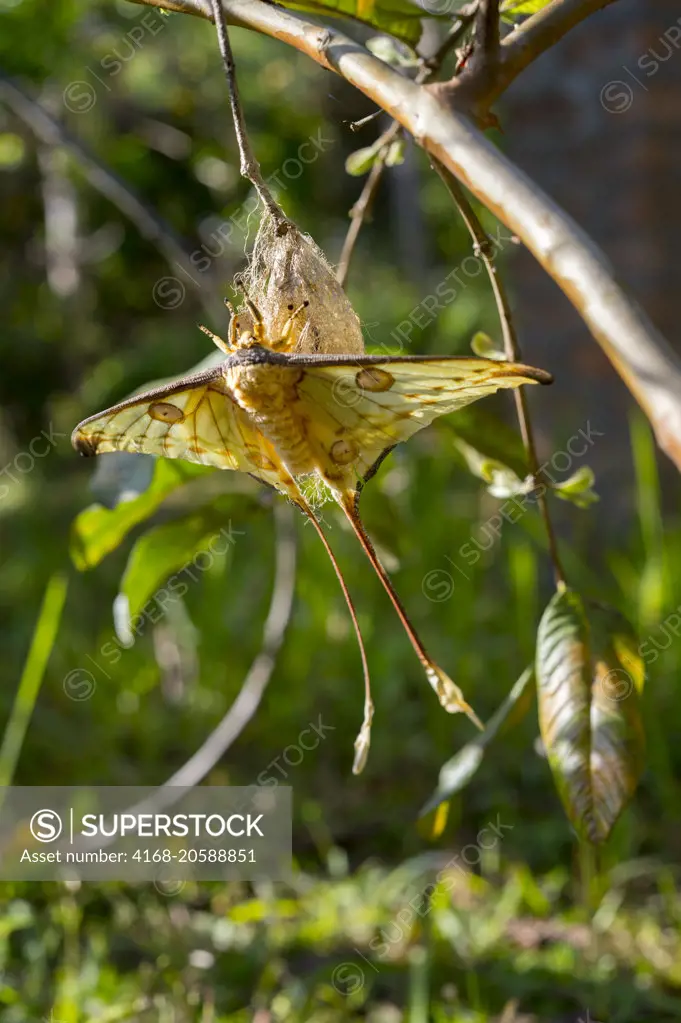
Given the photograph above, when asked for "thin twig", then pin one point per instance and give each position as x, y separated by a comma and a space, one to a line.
250, 168
492, 70
465, 19
361, 208
485, 249
430, 65
356, 125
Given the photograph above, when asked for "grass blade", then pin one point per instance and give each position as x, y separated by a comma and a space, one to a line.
44, 636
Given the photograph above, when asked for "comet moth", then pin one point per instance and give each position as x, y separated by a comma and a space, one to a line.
290, 408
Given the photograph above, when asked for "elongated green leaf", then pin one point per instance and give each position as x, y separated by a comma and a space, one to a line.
589, 675
172, 556
362, 160
458, 771
399, 18
502, 481
32, 676
97, 530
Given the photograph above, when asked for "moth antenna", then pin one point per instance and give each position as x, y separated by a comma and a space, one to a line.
223, 345
256, 316
363, 739
449, 694
233, 326
287, 329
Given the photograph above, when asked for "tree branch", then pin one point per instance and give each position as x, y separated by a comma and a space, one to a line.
486, 54
649, 367
544, 29
464, 18
538, 34
360, 210
480, 72
492, 69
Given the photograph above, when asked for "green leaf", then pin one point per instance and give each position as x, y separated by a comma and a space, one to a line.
97, 531
501, 479
511, 8
42, 643
493, 440
484, 346
493, 451
458, 771
578, 488
589, 675
362, 160
166, 557
12, 150
400, 18
503, 482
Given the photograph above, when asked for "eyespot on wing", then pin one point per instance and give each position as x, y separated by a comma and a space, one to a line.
343, 452
165, 412
371, 378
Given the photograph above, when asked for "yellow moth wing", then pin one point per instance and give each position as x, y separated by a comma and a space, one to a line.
194, 419
358, 409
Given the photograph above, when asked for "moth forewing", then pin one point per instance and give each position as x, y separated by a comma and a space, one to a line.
194, 419
359, 408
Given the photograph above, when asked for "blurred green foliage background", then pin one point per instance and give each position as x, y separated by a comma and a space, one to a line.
85, 322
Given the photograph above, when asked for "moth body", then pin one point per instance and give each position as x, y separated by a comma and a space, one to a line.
269, 396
